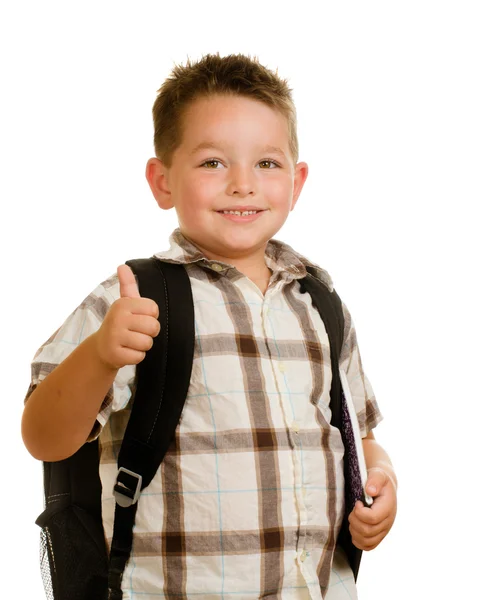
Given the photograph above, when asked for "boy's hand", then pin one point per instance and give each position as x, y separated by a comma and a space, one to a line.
369, 526
129, 326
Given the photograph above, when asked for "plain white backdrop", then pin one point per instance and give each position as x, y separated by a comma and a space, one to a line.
387, 95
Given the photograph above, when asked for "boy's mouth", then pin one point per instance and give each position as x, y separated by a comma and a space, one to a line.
241, 215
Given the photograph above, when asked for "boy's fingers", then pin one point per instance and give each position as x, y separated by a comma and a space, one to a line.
128, 285
365, 517
368, 543
368, 515
383, 507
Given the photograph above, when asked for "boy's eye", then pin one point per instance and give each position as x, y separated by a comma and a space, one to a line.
271, 162
267, 160
207, 162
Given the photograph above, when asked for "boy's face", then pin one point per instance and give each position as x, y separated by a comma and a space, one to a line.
249, 164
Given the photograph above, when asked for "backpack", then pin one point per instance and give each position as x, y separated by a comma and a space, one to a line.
74, 560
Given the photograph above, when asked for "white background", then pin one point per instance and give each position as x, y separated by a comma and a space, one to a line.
387, 95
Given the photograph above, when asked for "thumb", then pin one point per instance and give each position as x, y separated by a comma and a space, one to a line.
377, 479
128, 284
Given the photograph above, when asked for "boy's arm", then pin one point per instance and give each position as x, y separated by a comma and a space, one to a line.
59, 414
369, 526
377, 458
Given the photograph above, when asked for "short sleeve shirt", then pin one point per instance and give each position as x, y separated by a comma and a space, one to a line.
249, 499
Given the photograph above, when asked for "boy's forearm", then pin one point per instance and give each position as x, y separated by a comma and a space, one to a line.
377, 457
60, 413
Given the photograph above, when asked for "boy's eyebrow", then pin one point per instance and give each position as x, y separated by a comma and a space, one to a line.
213, 146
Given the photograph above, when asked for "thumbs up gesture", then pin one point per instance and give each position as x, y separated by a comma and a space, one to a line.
129, 327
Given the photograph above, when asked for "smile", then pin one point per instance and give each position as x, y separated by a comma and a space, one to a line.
241, 217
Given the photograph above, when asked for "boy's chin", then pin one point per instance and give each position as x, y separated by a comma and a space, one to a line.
243, 245
231, 242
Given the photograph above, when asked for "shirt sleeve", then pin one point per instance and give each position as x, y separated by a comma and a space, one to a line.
85, 320
364, 401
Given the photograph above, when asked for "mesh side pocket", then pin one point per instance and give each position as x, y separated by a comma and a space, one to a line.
73, 556
46, 558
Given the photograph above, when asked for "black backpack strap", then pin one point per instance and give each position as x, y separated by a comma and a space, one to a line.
330, 309
329, 306
163, 378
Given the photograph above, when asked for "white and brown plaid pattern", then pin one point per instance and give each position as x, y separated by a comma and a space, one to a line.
249, 499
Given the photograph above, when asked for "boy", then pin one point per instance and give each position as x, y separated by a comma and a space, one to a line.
257, 520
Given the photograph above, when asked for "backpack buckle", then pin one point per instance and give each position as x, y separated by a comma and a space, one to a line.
125, 492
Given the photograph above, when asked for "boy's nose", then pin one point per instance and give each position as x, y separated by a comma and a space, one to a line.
242, 181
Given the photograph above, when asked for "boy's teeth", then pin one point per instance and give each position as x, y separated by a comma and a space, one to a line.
237, 212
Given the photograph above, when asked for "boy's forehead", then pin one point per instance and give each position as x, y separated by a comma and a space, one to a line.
210, 122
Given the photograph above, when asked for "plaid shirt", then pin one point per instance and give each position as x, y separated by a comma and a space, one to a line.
249, 498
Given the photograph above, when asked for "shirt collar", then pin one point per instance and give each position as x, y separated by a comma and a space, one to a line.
279, 257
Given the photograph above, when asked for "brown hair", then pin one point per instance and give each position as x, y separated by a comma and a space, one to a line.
235, 74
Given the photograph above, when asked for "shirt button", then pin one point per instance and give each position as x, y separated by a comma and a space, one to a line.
282, 367
216, 267
303, 490
295, 426
266, 311
302, 558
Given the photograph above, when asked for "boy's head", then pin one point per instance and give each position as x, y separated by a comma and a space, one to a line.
225, 139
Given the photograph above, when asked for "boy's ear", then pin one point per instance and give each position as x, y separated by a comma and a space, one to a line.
300, 175
157, 176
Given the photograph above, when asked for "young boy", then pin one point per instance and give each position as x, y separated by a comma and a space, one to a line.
257, 520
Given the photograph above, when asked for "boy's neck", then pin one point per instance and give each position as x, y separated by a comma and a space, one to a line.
253, 265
